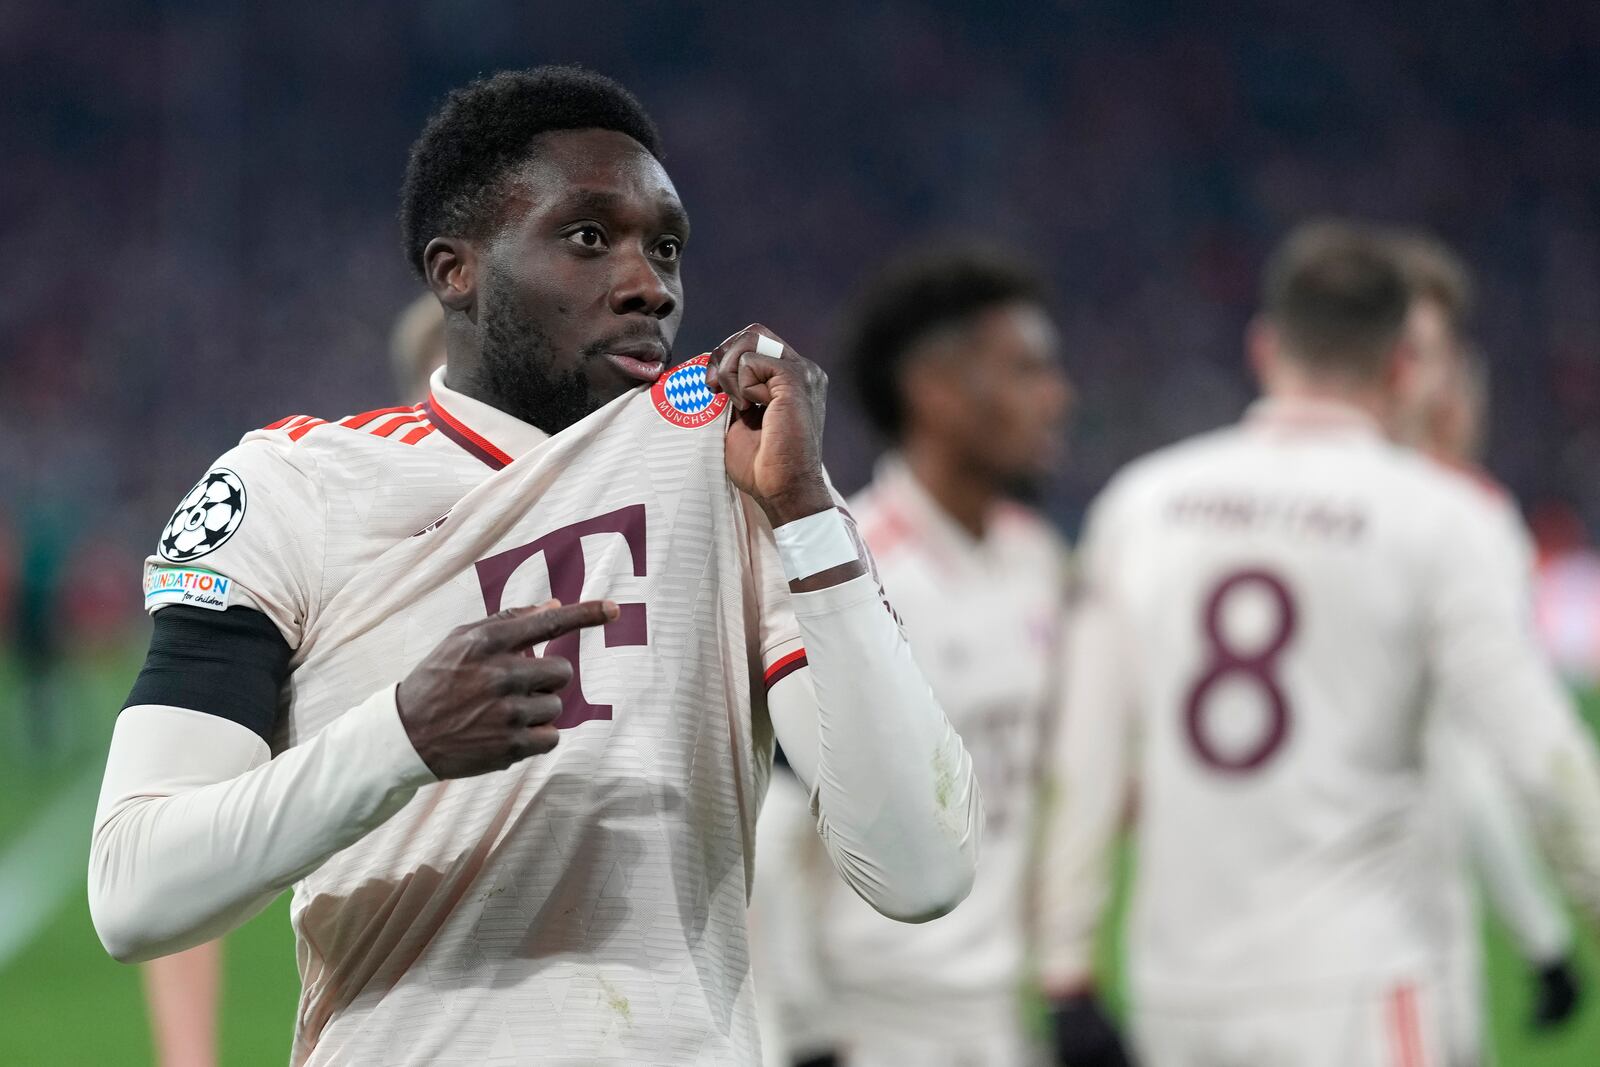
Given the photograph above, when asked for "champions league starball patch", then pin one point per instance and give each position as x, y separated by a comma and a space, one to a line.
206, 517
682, 398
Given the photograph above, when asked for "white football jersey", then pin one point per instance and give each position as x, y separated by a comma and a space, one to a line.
984, 621
1269, 615
983, 618
582, 907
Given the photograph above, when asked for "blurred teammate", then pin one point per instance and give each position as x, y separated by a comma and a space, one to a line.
1270, 614
416, 347
517, 816
182, 991
1445, 418
1569, 593
957, 364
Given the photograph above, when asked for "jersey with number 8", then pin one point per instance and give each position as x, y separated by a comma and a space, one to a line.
1269, 610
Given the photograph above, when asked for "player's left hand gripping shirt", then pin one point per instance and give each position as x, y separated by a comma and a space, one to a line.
582, 907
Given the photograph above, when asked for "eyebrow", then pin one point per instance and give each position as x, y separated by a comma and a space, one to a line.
601, 201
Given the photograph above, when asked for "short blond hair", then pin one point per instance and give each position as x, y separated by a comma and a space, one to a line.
1434, 272
416, 345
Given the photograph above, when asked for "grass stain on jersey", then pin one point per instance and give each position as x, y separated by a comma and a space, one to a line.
617, 1002
944, 780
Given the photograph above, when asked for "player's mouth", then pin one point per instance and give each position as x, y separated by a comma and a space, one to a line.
642, 362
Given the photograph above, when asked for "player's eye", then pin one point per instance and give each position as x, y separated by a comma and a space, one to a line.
588, 237
669, 249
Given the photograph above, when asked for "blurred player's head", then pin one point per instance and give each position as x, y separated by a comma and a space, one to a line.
954, 351
417, 346
1444, 406
1332, 323
536, 208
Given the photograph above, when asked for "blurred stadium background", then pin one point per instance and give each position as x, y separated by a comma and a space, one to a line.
199, 238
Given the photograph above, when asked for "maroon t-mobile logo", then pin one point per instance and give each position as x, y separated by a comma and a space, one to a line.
563, 560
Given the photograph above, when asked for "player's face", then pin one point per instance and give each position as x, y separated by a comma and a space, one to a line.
580, 298
1017, 396
1434, 369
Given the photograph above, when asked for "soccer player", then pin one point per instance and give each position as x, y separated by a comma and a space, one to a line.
1444, 417
956, 361
492, 681
182, 990
1270, 613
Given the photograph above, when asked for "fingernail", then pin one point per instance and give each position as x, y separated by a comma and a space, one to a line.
610, 610
548, 604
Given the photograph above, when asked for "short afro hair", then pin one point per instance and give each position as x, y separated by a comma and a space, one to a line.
916, 296
484, 132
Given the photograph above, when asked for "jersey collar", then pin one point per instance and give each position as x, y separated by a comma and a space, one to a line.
483, 431
1310, 417
922, 512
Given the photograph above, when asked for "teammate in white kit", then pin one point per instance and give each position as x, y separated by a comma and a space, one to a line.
1444, 416
365, 628
957, 365
1269, 614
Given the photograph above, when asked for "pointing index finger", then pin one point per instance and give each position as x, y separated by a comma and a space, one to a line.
522, 627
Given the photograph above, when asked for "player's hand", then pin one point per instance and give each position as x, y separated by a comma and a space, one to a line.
1557, 994
1084, 1035
479, 703
774, 447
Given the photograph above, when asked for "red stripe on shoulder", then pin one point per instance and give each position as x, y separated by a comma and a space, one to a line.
785, 667
355, 422
281, 423
417, 433
389, 427
305, 428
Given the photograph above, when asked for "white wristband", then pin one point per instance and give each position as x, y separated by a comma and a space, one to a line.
814, 544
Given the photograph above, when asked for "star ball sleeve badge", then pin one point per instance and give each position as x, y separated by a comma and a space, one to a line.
682, 397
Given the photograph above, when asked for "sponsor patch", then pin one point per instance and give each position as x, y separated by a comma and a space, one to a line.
682, 397
206, 517
190, 586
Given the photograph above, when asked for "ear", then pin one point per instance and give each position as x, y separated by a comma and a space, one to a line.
1403, 371
1261, 345
450, 266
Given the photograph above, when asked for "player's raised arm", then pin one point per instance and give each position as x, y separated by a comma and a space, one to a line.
896, 801
1490, 668
198, 828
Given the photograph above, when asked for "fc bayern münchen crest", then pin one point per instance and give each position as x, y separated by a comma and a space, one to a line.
206, 518
682, 397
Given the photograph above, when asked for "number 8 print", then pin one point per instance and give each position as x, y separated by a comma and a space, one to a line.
1259, 665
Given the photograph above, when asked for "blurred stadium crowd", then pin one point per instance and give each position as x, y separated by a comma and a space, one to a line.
201, 236
200, 226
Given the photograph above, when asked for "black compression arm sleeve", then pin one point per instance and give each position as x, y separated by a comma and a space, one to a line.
229, 663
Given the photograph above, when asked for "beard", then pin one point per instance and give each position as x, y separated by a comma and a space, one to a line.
516, 366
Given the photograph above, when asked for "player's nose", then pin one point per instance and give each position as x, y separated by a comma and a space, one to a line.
638, 287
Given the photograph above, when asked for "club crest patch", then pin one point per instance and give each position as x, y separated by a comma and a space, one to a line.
682, 397
206, 517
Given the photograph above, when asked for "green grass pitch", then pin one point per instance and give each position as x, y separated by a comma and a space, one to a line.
64, 1002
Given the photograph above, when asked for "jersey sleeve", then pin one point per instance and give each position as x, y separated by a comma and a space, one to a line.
1490, 669
249, 534
778, 647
